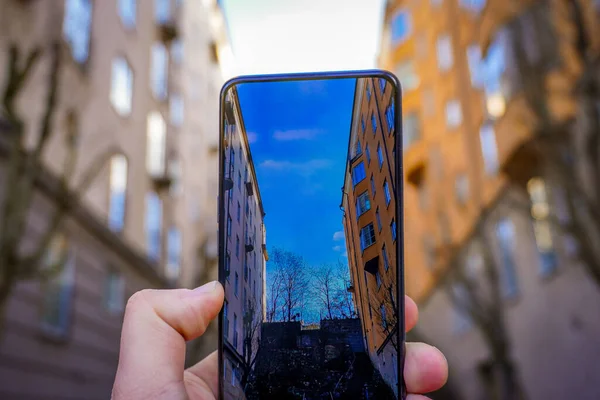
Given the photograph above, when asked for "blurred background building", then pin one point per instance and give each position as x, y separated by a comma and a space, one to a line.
369, 222
501, 130
119, 100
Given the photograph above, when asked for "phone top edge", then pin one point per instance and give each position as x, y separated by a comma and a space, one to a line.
294, 76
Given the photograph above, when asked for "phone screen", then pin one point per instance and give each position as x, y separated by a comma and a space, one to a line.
310, 243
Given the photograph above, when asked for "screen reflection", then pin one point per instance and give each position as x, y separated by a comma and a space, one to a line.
310, 270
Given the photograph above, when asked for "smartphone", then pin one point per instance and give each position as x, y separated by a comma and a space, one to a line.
310, 238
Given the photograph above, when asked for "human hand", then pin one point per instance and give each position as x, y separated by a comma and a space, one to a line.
158, 323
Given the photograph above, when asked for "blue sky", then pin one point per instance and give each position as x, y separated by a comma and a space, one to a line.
298, 133
269, 36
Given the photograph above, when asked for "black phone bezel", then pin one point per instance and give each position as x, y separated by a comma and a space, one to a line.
399, 190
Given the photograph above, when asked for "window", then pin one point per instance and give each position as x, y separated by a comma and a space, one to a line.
497, 85
475, 65
358, 173
239, 212
373, 123
246, 180
118, 192
153, 225
363, 125
394, 229
237, 246
382, 84
379, 155
540, 213
228, 265
236, 284
368, 154
400, 27
444, 53
239, 181
114, 292
77, 28
176, 109
159, 71
363, 204
386, 191
461, 188
58, 291
162, 10
127, 12
408, 77
462, 319
378, 218
235, 336
368, 93
390, 115
174, 246
226, 319
412, 129
505, 233
383, 316
453, 114
229, 226
177, 51
386, 262
367, 236
488, 149
378, 279
156, 143
373, 185
121, 86
474, 6
357, 149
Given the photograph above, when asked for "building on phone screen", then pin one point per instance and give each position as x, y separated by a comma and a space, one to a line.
501, 125
245, 254
369, 220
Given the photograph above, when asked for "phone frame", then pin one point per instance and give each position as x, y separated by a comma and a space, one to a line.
398, 181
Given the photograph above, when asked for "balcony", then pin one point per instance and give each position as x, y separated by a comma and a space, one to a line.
249, 188
249, 245
161, 181
228, 180
229, 114
167, 30
372, 266
415, 162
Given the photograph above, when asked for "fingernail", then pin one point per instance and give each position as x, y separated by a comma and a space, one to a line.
206, 288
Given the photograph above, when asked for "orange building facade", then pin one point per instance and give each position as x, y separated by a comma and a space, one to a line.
465, 121
369, 206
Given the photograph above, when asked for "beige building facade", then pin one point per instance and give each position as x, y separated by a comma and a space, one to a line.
138, 87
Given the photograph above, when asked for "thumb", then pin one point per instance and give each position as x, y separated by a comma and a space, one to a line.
156, 325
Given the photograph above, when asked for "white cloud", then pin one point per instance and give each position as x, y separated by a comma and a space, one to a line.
297, 134
305, 169
339, 235
252, 137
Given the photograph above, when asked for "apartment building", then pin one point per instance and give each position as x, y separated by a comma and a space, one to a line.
369, 221
128, 71
245, 254
467, 120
